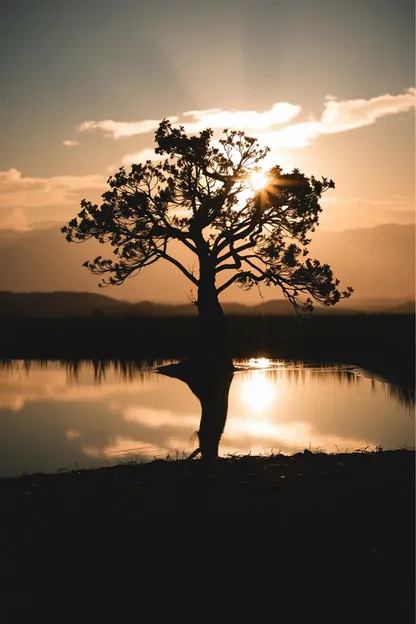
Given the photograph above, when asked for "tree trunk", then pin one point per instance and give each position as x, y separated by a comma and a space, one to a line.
213, 342
209, 371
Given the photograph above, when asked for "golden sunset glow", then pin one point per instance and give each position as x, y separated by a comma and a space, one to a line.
208, 224
258, 180
258, 392
259, 362
153, 415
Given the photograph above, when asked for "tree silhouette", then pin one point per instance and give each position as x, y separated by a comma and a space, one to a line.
201, 195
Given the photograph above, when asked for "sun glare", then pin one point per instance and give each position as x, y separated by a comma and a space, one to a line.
258, 392
259, 362
258, 180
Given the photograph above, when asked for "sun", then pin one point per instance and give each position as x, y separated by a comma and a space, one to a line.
258, 180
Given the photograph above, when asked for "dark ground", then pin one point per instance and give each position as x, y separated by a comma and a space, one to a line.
328, 523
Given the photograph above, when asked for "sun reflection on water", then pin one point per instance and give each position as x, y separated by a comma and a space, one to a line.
259, 362
257, 392
272, 404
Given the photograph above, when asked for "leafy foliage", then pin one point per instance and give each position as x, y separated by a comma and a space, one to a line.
200, 195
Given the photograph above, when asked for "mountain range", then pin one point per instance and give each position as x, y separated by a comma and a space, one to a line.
78, 304
379, 263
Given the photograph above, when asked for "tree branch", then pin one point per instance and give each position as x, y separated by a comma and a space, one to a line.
189, 275
228, 283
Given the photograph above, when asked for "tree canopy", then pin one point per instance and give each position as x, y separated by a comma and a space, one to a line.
200, 193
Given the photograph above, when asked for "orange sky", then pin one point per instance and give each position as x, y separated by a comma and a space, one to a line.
329, 86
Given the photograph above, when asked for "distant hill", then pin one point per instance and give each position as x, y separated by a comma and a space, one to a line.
378, 262
77, 304
404, 308
58, 304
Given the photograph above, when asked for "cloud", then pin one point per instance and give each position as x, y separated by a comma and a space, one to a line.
341, 212
400, 216
55, 383
337, 116
154, 418
216, 118
279, 113
119, 129
340, 116
122, 446
17, 190
141, 156
68, 143
17, 220
395, 200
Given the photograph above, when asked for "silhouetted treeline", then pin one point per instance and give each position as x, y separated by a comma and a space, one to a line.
383, 344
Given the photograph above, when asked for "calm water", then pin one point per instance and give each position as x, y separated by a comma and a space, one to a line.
54, 416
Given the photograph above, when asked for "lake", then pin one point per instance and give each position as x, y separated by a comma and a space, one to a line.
63, 416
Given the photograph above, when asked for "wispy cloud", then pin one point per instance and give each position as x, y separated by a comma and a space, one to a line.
397, 201
400, 216
340, 116
17, 190
141, 156
337, 116
215, 118
343, 212
69, 143
122, 129
16, 220
279, 113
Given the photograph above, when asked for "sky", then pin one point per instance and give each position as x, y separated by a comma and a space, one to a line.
328, 85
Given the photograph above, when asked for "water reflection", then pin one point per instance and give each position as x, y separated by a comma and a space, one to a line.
210, 382
66, 414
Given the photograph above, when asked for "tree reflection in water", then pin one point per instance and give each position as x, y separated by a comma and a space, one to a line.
210, 382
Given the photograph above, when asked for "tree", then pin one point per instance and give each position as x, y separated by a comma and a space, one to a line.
202, 195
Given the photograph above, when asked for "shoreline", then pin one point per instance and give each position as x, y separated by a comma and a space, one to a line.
150, 474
